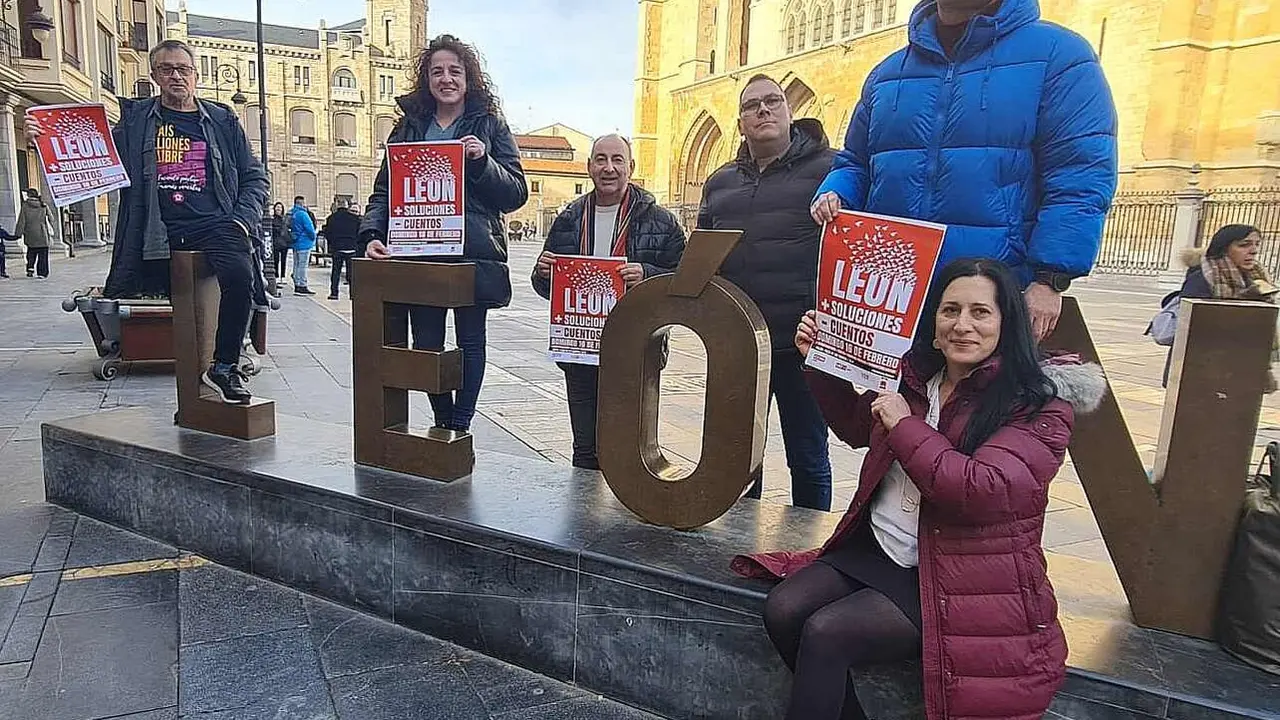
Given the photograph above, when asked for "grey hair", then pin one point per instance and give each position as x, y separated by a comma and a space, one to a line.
623, 138
170, 45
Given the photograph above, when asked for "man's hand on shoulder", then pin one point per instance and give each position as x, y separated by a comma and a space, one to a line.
1044, 305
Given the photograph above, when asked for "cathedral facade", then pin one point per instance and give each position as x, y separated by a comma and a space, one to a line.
1190, 80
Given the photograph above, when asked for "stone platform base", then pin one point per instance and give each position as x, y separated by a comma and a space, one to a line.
539, 565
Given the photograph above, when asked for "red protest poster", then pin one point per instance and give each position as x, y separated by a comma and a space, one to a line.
583, 291
873, 276
77, 153
427, 201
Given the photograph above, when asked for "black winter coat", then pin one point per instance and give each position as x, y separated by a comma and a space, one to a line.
776, 262
342, 230
495, 185
655, 239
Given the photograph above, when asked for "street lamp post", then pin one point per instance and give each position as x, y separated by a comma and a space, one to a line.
228, 74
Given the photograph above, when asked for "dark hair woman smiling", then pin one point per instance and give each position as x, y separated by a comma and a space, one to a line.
939, 555
453, 99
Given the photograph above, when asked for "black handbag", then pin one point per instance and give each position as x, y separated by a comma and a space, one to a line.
1249, 611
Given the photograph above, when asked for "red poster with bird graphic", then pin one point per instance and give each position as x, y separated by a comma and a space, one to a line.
583, 291
873, 277
77, 153
427, 204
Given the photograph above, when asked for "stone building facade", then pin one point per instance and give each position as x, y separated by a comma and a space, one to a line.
555, 168
1187, 75
330, 92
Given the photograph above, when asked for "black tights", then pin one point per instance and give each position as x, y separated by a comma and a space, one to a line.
825, 624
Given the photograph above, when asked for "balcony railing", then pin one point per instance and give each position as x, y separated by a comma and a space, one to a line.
346, 94
71, 60
138, 39
108, 82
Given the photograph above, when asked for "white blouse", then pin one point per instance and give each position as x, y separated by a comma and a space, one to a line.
895, 510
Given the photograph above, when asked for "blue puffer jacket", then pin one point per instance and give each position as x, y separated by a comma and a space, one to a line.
1011, 142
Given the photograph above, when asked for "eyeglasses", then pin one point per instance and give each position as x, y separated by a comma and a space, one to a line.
770, 102
185, 71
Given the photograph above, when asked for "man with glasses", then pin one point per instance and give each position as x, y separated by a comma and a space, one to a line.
196, 186
765, 192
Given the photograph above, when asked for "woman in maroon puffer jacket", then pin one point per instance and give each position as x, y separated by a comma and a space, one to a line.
939, 554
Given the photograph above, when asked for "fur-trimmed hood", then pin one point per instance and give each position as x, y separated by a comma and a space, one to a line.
1192, 257
1080, 384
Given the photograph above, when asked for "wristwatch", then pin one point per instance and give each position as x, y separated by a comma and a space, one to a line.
1058, 282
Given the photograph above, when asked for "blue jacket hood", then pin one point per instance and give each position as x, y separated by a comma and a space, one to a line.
922, 29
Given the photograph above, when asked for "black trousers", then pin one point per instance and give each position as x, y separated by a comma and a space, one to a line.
38, 260
581, 385
340, 259
3, 270
280, 258
231, 261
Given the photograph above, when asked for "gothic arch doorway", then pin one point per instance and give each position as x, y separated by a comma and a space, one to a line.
701, 157
801, 98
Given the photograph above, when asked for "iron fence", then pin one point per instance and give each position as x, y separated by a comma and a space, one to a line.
1259, 207
1138, 235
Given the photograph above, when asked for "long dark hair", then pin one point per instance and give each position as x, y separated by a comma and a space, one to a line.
1225, 237
480, 90
1020, 385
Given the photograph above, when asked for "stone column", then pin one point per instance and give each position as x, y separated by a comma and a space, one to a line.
1186, 227
113, 216
10, 192
90, 237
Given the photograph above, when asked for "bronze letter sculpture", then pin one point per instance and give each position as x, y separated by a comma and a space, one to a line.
738, 357
386, 368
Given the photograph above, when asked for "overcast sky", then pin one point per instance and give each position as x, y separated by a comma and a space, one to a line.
569, 61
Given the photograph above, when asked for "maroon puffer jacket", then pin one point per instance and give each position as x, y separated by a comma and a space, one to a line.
993, 647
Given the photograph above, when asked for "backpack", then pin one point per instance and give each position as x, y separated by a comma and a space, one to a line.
1249, 610
1163, 328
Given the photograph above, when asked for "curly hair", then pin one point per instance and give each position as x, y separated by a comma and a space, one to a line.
480, 90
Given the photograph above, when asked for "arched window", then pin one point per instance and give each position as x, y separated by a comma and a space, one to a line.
382, 128
891, 12
803, 40
846, 18
829, 28
253, 124
346, 186
819, 16
791, 34
344, 78
877, 14
302, 126
304, 184
860, 17
344, 130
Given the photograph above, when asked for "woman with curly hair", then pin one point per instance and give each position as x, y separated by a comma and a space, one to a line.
453, 99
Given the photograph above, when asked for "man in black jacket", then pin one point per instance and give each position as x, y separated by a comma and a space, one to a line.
342, 230
615, 219
765, 193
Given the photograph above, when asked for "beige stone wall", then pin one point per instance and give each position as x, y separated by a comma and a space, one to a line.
1187, 75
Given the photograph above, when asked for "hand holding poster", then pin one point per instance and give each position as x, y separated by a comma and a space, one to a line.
583, 291
77, 153
427, 185
873, 277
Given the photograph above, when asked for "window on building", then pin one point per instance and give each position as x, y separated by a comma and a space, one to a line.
578, 188
304, 184
344, 130
846, 18
386, 30
253, 72
159, 25
306, 78
253, 124
71, 33
711, 63
877, 14
107, 59
302, 126
829, 26
802, 41
344, 78
535, 186
143, 88
818, 22
382, 128
791, 34
346, 186
386, 87
301, 77
891, 12
860, 17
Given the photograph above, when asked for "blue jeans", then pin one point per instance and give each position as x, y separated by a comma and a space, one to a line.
301, 259
454, 410
804, 434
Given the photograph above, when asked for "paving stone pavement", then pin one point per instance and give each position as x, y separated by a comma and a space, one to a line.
202, 641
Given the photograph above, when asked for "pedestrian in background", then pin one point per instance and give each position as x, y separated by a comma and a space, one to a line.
4, 270
35, 227
302, 227
342, 229
765, 193
281, 239
1228, 269
453, 99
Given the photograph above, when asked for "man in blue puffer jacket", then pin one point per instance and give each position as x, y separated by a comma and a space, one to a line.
997, 124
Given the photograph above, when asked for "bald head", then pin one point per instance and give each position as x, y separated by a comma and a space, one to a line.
610, 167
